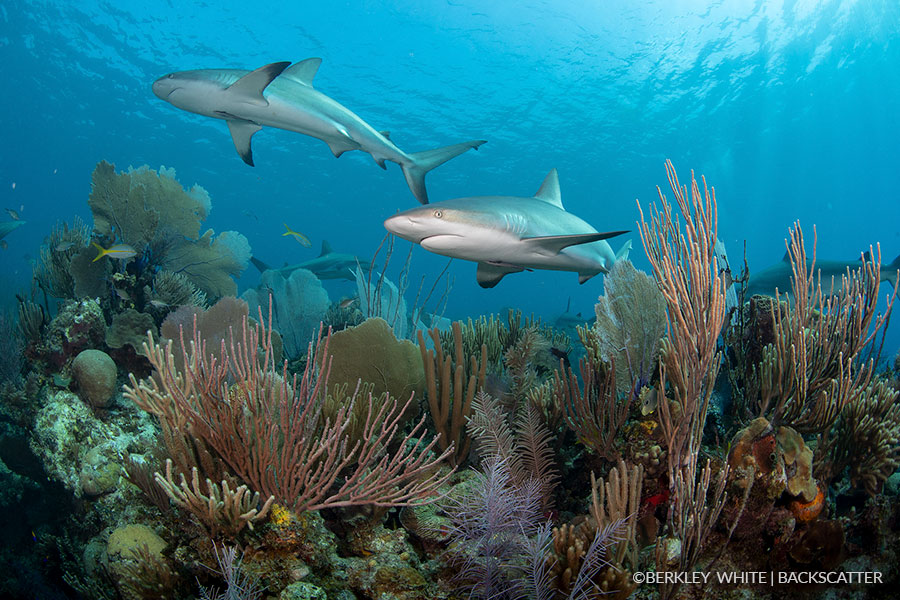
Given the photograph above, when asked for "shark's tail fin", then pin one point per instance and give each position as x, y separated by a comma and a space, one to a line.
263, 267
422, 162
892, 272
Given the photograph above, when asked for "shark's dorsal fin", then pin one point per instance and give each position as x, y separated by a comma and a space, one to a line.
249, 88
326, 248
241, 133
553, 244
787, 257
489, 275
304, 71
549, 191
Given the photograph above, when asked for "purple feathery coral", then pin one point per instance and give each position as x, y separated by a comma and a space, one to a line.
491, 522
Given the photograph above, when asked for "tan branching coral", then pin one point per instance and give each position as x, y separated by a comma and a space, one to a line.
686, 270
619, 498
810, 371
220, 509
865, 439
451, 380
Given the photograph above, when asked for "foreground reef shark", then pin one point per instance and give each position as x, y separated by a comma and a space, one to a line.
507, 234
328, 265
282, 95
779, 275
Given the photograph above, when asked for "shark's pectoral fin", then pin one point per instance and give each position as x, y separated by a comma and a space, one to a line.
489, 275
249, 88
304, 71
241, 132
553, 244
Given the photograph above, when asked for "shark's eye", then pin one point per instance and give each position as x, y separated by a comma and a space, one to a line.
438, 214
171, 75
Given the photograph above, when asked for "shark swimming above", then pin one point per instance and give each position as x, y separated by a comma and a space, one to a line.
779, 275
328, 265
282, 95
507, 234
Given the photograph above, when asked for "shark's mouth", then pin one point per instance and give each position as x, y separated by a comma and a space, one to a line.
442, 241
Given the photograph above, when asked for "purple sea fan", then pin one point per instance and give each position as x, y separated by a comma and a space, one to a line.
491, 521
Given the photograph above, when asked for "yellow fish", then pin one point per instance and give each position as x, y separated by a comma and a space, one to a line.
120, 251
304, 241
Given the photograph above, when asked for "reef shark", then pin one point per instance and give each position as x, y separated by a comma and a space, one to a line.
779, 275
328, 265
507, 234
8, 227
282, 95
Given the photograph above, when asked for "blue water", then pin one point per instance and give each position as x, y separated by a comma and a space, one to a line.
788, 108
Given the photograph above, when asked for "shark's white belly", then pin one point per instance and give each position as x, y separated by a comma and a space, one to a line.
495, 247
324, 119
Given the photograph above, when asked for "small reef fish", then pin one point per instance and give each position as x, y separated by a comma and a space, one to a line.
120, 251
304, 241
159, 304
282, 95
348, 302
14, 215
63, 246
507, 234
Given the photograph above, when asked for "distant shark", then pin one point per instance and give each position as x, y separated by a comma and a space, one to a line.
6, 228
507, 234
779, 275
328, 265
282, 95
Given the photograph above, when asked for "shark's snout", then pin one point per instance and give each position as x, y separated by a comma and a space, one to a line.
164, 86
403, 226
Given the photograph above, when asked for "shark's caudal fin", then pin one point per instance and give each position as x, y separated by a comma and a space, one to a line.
263, 267
422, 162
892, 272
623, 252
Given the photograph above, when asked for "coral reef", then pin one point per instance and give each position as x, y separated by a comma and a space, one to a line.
226, 471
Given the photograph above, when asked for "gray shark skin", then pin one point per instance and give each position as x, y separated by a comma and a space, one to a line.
328, 265
779, 275
8, 227
282, 95
507, 234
